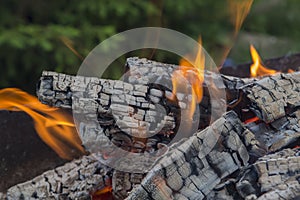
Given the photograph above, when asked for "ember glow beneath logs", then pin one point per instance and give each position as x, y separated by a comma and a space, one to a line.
55, 127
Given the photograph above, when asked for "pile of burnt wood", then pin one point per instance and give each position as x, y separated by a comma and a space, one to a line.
250, 152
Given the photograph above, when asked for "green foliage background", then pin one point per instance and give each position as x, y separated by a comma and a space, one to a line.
35, 34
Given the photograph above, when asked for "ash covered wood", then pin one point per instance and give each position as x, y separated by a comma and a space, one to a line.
74, 180
281, 133
194, 167
111, 107
274, 176
274, 96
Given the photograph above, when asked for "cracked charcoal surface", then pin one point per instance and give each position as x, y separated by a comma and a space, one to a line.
142, 71
192, 168
117, 106
273, 97
74, 180
278, 134
274, 176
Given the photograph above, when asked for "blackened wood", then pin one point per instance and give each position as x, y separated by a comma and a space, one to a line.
274, 176
77, 179
275, 96
116, 106
281, 133
193, 168
270, 97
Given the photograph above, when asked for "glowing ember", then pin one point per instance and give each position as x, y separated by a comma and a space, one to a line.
254, 119
290, 71
54, 127
257, 68
194, 74
103, 194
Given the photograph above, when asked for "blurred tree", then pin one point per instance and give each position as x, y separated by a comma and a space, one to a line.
57, 35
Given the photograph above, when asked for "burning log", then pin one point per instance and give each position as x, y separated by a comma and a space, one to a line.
74, 180
101, 100
152, 86
266, 98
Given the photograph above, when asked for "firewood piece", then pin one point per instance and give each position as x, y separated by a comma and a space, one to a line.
192, 168
278, 134
274, 176
137, 110
278, 175
74, 180
147, 80
287, 190
274, 96
144, 71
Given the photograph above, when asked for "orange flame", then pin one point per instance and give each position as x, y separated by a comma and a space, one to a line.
54, 127
194, 74
239, 10
103, 194
257, 68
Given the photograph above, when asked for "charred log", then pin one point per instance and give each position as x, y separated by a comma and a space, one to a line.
74, 180
281, 133
274, 176
274, 96
194, 167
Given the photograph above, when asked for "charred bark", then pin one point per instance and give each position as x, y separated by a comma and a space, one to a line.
74, 180
194, 167
274, 176
274, 96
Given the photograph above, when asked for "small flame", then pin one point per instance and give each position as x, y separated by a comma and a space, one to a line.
194, 74
239, 10
68, 42
103, 194
54, 127
257, 68
290, 71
